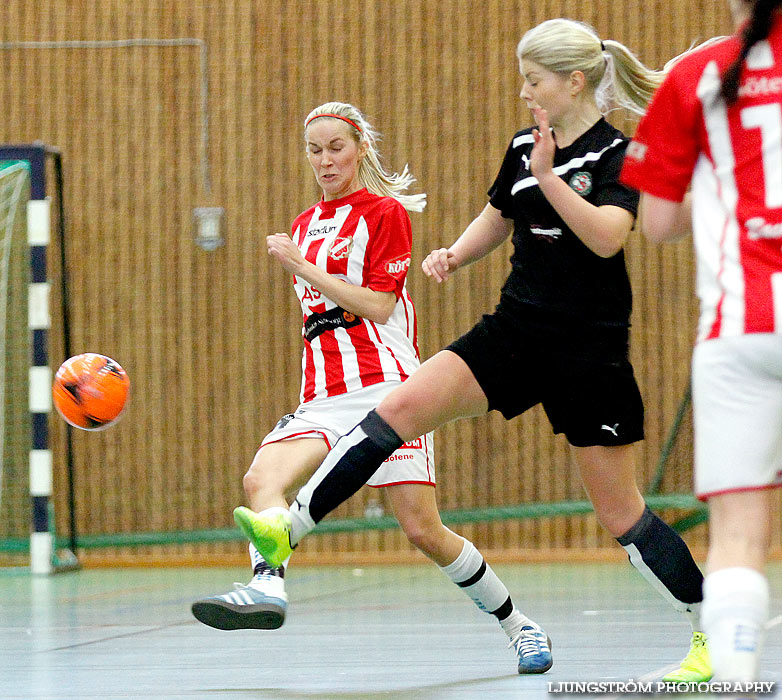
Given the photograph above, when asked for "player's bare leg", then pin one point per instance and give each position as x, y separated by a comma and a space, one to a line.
443, 389
608, 474
279, 469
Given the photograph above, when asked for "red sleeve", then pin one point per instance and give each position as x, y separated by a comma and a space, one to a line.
389, 250
662, 155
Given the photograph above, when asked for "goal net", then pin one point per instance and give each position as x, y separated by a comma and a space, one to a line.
14, 363
27, 527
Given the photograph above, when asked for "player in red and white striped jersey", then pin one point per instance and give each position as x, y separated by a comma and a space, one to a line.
349, 256
365, 240
716, 123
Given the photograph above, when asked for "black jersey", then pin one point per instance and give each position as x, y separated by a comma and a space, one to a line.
552, 270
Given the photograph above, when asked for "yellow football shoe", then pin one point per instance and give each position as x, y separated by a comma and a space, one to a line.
268, 530
696, 666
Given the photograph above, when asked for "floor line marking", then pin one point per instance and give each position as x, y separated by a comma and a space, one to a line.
115, 636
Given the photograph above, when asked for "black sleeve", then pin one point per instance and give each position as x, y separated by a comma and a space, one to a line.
608, 189
500, 192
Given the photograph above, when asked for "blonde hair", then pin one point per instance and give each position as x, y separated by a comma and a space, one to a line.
371, 173
613, 73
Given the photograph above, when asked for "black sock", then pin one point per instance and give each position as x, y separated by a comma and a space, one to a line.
265, 569
662, 557
350, 464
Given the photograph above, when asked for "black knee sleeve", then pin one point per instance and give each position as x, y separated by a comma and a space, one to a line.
664, 552
375, 442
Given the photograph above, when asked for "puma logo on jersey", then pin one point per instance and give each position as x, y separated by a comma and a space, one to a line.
610, 429
397, 268
340, 248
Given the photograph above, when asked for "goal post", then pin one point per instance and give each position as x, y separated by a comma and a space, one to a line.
45, 556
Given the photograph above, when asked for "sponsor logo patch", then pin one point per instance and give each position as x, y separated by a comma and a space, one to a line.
416, 444
398, 268
546, 234
760, 87
758, 227
321, 230
321, 322
581, 183
397, 457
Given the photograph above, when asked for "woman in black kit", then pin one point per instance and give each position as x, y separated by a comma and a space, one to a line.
559, 335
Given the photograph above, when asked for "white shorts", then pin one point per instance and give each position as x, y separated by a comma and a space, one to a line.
737, 402
331, 417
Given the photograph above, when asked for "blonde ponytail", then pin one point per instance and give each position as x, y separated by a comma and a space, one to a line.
616, 77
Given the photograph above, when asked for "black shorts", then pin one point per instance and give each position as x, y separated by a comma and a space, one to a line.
581, 375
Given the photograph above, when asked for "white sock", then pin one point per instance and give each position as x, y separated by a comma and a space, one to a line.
476, 578
257, 559
735, 610
693, 614
514, 622
301, 521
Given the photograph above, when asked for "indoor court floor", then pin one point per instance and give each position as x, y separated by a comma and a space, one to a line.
362, 634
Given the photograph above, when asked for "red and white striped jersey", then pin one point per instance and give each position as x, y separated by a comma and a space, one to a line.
733, 156
362, 239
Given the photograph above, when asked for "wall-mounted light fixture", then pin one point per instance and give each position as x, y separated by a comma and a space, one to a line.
208, 224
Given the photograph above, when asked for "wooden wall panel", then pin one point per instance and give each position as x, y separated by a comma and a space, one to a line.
211, 339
